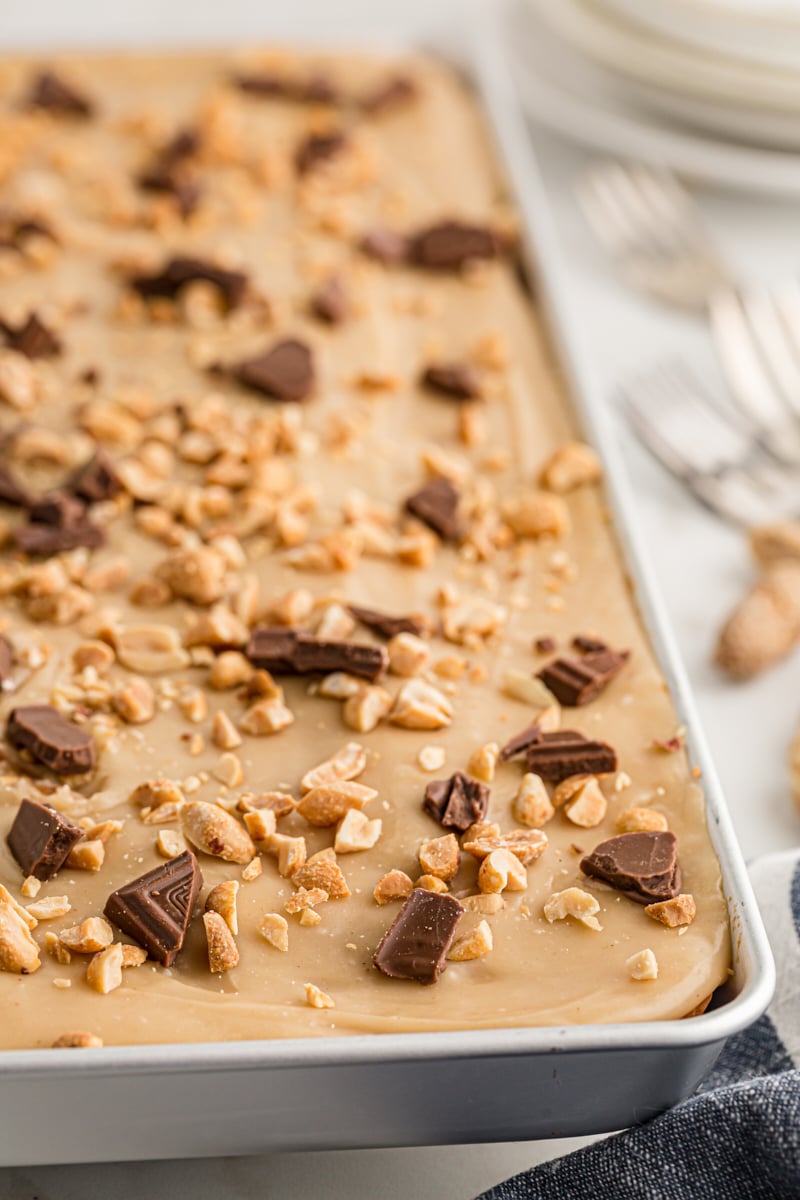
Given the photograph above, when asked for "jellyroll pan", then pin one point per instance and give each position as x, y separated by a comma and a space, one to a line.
163, 1101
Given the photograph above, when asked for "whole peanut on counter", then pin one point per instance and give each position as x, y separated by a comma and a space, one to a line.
765, 625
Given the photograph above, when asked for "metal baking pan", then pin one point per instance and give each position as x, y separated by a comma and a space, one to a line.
125, 1103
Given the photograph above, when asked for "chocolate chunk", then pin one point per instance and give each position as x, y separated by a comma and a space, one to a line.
386, 626
392, 93
180, 271
576, 681
51, 739
317, 89
272, 649
41, 838
585, 644
58, 523
314, 656
32, 338
456, 803
11, 492
436, 504
450, 244
643, 866
285, 372
44, 541
521, 743
329, 301
156, 909
318, 148
385, 246
544, 645
49, 91
6, 660
96, 480
169, 171
416, 943
289, 652
460, 381
556, 756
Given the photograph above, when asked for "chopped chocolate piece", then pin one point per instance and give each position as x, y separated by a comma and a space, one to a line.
385, 245
329, 301
156, 909
556, 756
386, 626
41, 838
521, 743
180, 271
59, 507
436, 504
317, 148
416, 943
32, 338
168, 171
586, 644
392, 93
450, 244
51, 92
544, 645
460, 381
289, 652
96, 480
317, 89
285, 372
272, 649
11, 492
456, 803
51, 739
6, 660
643, 866
319, 656
89, 376
576, 681
46, 540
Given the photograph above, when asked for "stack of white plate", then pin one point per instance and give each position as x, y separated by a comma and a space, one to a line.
727, 71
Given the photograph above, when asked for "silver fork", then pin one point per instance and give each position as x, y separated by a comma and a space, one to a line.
717, 451
650, 226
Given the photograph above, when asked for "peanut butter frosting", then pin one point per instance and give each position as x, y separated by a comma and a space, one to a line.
296, 535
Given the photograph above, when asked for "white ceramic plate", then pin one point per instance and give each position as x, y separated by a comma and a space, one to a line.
748, 30
564, 92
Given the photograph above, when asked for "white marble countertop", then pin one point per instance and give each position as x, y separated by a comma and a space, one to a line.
702, 567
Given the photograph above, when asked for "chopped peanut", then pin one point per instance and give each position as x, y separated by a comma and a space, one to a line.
104, 970
640, 820
531, 804
266, 717
169, 844
502, 871
571, 466
356, 832
305, 898
680, 910
440, 856
87, 855
573, 902
50, 907
419, 705
216, 832
77, 1041
364, 710
326, 804
89, 937
322, 871
431, 758
223, 953
275, 929
19, 953
394, 885
475, 944
588, 805
408, 654
483, 762
315, 998
222, 899
642, 966
487, 903
224, 733
346, 764
431, 883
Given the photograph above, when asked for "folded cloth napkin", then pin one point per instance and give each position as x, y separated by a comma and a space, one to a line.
738, 1137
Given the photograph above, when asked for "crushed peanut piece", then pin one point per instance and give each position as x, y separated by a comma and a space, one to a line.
222, 899
19, 953
89, 937
266, 717
525, 844
104, 970
252, 870
322, 871
487, 903
216, 832
327, 803
475, 944
502, 871
680, 910
641, 820
305, 898
440, 856
228, 770
364, 710
275, 929
50, 907
224, 733
346, 764
133, 956
87, 855
394, 885
573, 902
77, 1041
431, 883
419, 705
356, 832
431, 758
169, 843
483, 762
587, 805
642, 966
223, 953
531, 805
408, 654
571, 466
316, 998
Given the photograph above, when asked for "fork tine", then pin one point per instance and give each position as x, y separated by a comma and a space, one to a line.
771, 338
745, 376
605, 219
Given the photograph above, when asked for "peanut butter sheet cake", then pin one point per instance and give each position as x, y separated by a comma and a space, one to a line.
326, 708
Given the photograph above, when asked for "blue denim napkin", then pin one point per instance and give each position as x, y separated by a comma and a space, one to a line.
738, 1137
